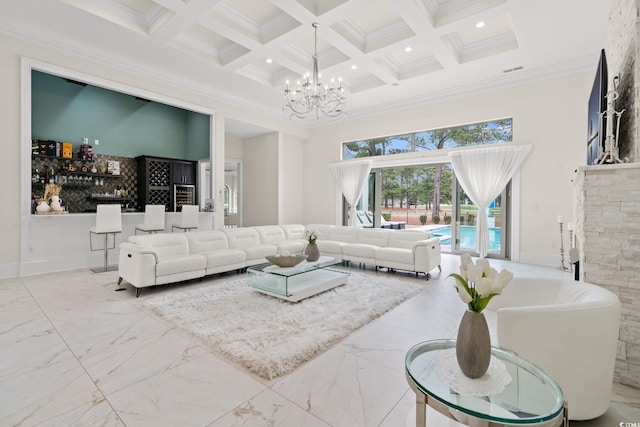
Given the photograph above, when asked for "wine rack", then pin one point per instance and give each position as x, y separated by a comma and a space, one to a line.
156, 182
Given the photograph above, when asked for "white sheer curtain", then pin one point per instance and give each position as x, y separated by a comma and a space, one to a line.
351, 177
483, 173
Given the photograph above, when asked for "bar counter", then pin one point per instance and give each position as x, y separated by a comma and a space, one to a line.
61, 242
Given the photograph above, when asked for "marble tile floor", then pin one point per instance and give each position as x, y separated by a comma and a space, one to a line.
76, 353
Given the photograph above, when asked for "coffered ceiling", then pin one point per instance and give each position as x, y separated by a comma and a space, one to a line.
388, 53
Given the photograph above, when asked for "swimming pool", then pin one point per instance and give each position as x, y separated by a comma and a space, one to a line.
468, 237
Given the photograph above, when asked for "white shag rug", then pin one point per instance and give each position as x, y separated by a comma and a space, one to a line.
270, 336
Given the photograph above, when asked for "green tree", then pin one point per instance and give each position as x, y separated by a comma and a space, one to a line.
482, 133
425, 184
373, 147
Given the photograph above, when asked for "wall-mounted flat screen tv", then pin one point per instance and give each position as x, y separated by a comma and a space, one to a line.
597, 106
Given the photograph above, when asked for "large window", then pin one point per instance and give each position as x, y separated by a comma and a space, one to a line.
438, 139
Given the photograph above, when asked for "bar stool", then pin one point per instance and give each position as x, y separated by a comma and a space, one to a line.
108, 221
153, 219
188, 218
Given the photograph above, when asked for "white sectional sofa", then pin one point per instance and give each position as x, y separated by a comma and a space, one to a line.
161, 258
408, 250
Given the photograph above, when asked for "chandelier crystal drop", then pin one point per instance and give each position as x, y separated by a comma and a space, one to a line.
313, 99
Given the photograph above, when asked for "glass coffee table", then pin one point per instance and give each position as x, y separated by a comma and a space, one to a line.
531, 398
301, 281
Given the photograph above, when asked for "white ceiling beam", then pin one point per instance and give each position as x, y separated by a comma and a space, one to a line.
422, 24
182, 19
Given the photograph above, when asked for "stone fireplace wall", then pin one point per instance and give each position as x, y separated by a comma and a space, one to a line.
608, 231
607, 197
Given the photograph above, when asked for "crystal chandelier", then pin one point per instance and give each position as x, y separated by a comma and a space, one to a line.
312, 98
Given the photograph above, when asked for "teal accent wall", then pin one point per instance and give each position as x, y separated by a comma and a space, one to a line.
198, 130
125, 126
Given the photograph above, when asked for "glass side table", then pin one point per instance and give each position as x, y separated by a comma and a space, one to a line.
531, 398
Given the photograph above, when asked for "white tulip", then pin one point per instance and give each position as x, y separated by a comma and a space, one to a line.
463, 273
464, 296
474, 273
485, 281
484, 286
501, 281
465, 261
484, 264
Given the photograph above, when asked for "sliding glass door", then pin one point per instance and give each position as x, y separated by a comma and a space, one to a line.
429, 198
366, 209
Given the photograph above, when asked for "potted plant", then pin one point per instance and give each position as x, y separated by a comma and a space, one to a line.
476, 285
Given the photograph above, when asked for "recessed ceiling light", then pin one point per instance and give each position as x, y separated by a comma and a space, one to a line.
269, 60
354, 67
480, 24
408, 49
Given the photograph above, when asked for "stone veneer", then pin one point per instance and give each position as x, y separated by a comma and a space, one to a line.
622, 49
607, 197
608, 232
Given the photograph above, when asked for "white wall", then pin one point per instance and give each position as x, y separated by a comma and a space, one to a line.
550, 114
233, 147
261, 193
292, 181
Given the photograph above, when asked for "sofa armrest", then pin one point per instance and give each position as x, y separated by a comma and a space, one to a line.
138, 250
137, 264
427, 254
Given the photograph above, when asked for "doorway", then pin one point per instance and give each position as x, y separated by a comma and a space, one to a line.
233, 191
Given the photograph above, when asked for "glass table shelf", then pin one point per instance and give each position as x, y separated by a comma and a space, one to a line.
531, 398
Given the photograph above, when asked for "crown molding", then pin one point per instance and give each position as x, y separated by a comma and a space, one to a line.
499, 82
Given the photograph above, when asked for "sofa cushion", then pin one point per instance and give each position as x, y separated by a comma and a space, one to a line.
343, 234
394, 255
165, 244
359, 250
270, 234
295, 231
259, 252
320, 230
180, 264
330, 247
373, 237
292, 246
222, 257
242, 238
205, 241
